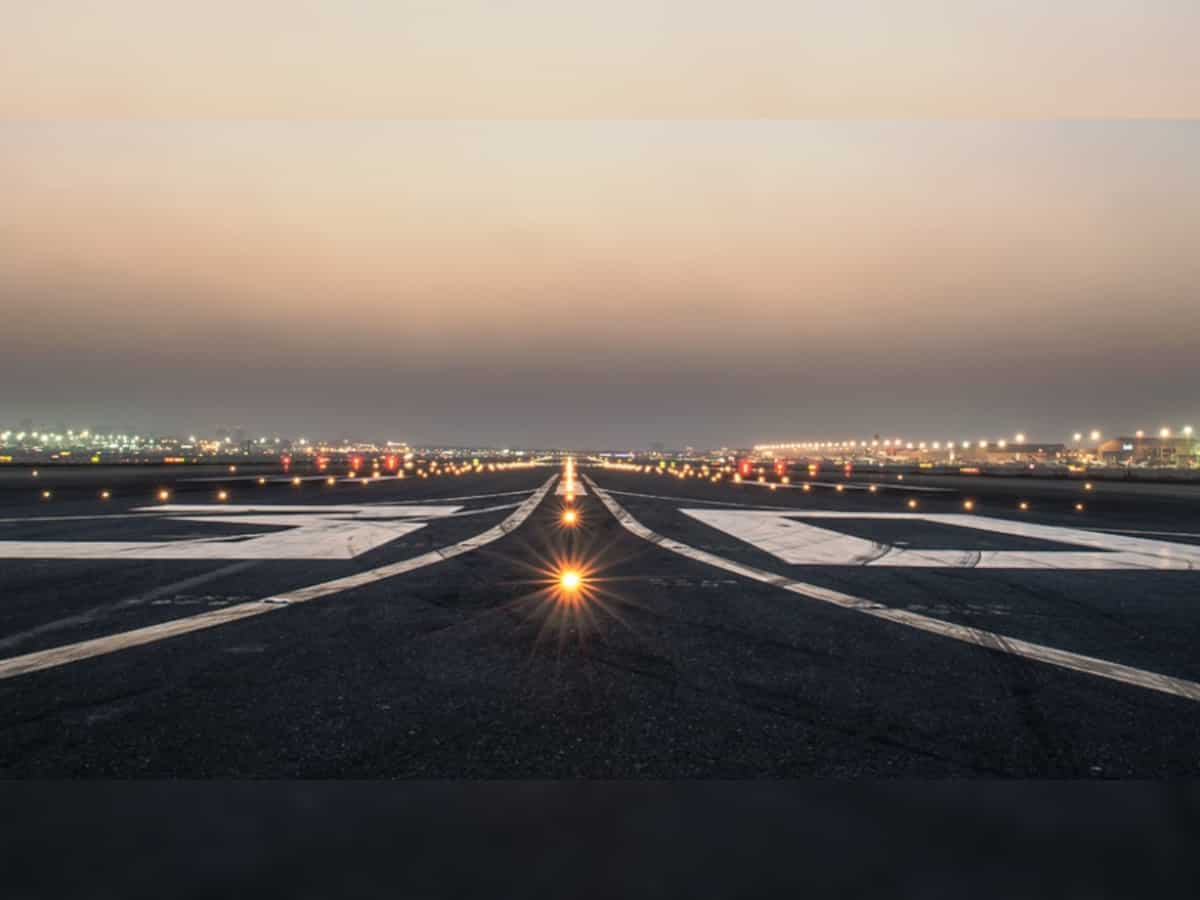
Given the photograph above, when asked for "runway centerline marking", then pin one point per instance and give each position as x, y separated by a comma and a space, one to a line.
791, 539
990, 640
59, 656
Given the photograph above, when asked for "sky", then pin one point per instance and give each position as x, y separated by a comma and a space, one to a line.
527, 223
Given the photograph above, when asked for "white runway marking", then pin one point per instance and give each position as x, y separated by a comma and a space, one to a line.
467, 497
59, 656
310, 532
848, 485
698, 500
800, 544
575, 488
1100, 668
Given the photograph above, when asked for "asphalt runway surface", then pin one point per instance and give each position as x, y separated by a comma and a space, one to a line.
419, 627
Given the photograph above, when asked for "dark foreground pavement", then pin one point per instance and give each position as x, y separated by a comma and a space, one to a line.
665, 666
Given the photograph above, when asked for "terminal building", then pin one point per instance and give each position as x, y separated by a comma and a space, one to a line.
1140, 450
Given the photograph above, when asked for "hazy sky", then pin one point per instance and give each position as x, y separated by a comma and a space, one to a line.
269, 217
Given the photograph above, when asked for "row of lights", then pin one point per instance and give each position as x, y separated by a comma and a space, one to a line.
163, 494
688, 472
1019, 438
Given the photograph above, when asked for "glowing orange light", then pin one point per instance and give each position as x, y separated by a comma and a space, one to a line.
1023, 505
104, 495
968, 505
570, 517
570, 580
222, 496
164, 494
912, 504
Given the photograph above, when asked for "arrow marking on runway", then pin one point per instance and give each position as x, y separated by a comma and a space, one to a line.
991, 640
790, 538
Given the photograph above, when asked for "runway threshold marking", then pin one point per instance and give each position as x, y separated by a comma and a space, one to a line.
990, 640
790, 538
69, 653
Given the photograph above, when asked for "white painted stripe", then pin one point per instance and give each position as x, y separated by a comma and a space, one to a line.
1089, 665
467, 497
698, 500
58, 656
791, 539
1190, 534
575, 488
848, 485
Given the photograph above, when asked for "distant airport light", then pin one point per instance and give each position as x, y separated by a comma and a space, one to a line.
1023, 505
222, 496
46, 495
840, 488
807, 488
262, 481
1020, 437
164, 495
104, 495
1079, 507
873, 489
1164, 432
1095, 435
1187, 431
968, 505
296, 481
912, 504
331, 481
1087, 485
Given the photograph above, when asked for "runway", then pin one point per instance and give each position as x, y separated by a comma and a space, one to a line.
201, 626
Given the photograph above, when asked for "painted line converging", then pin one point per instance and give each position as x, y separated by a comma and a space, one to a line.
1089, 665
69, 653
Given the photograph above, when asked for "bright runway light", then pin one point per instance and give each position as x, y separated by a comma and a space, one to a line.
331, 481
104, 495
570, 581
968, 505
1023, 505
912, 504
262, 481
570, 517
222, 496
164, 495
296, 481
46, 495
1078, 507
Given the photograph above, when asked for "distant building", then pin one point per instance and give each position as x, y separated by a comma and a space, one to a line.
1150, 451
